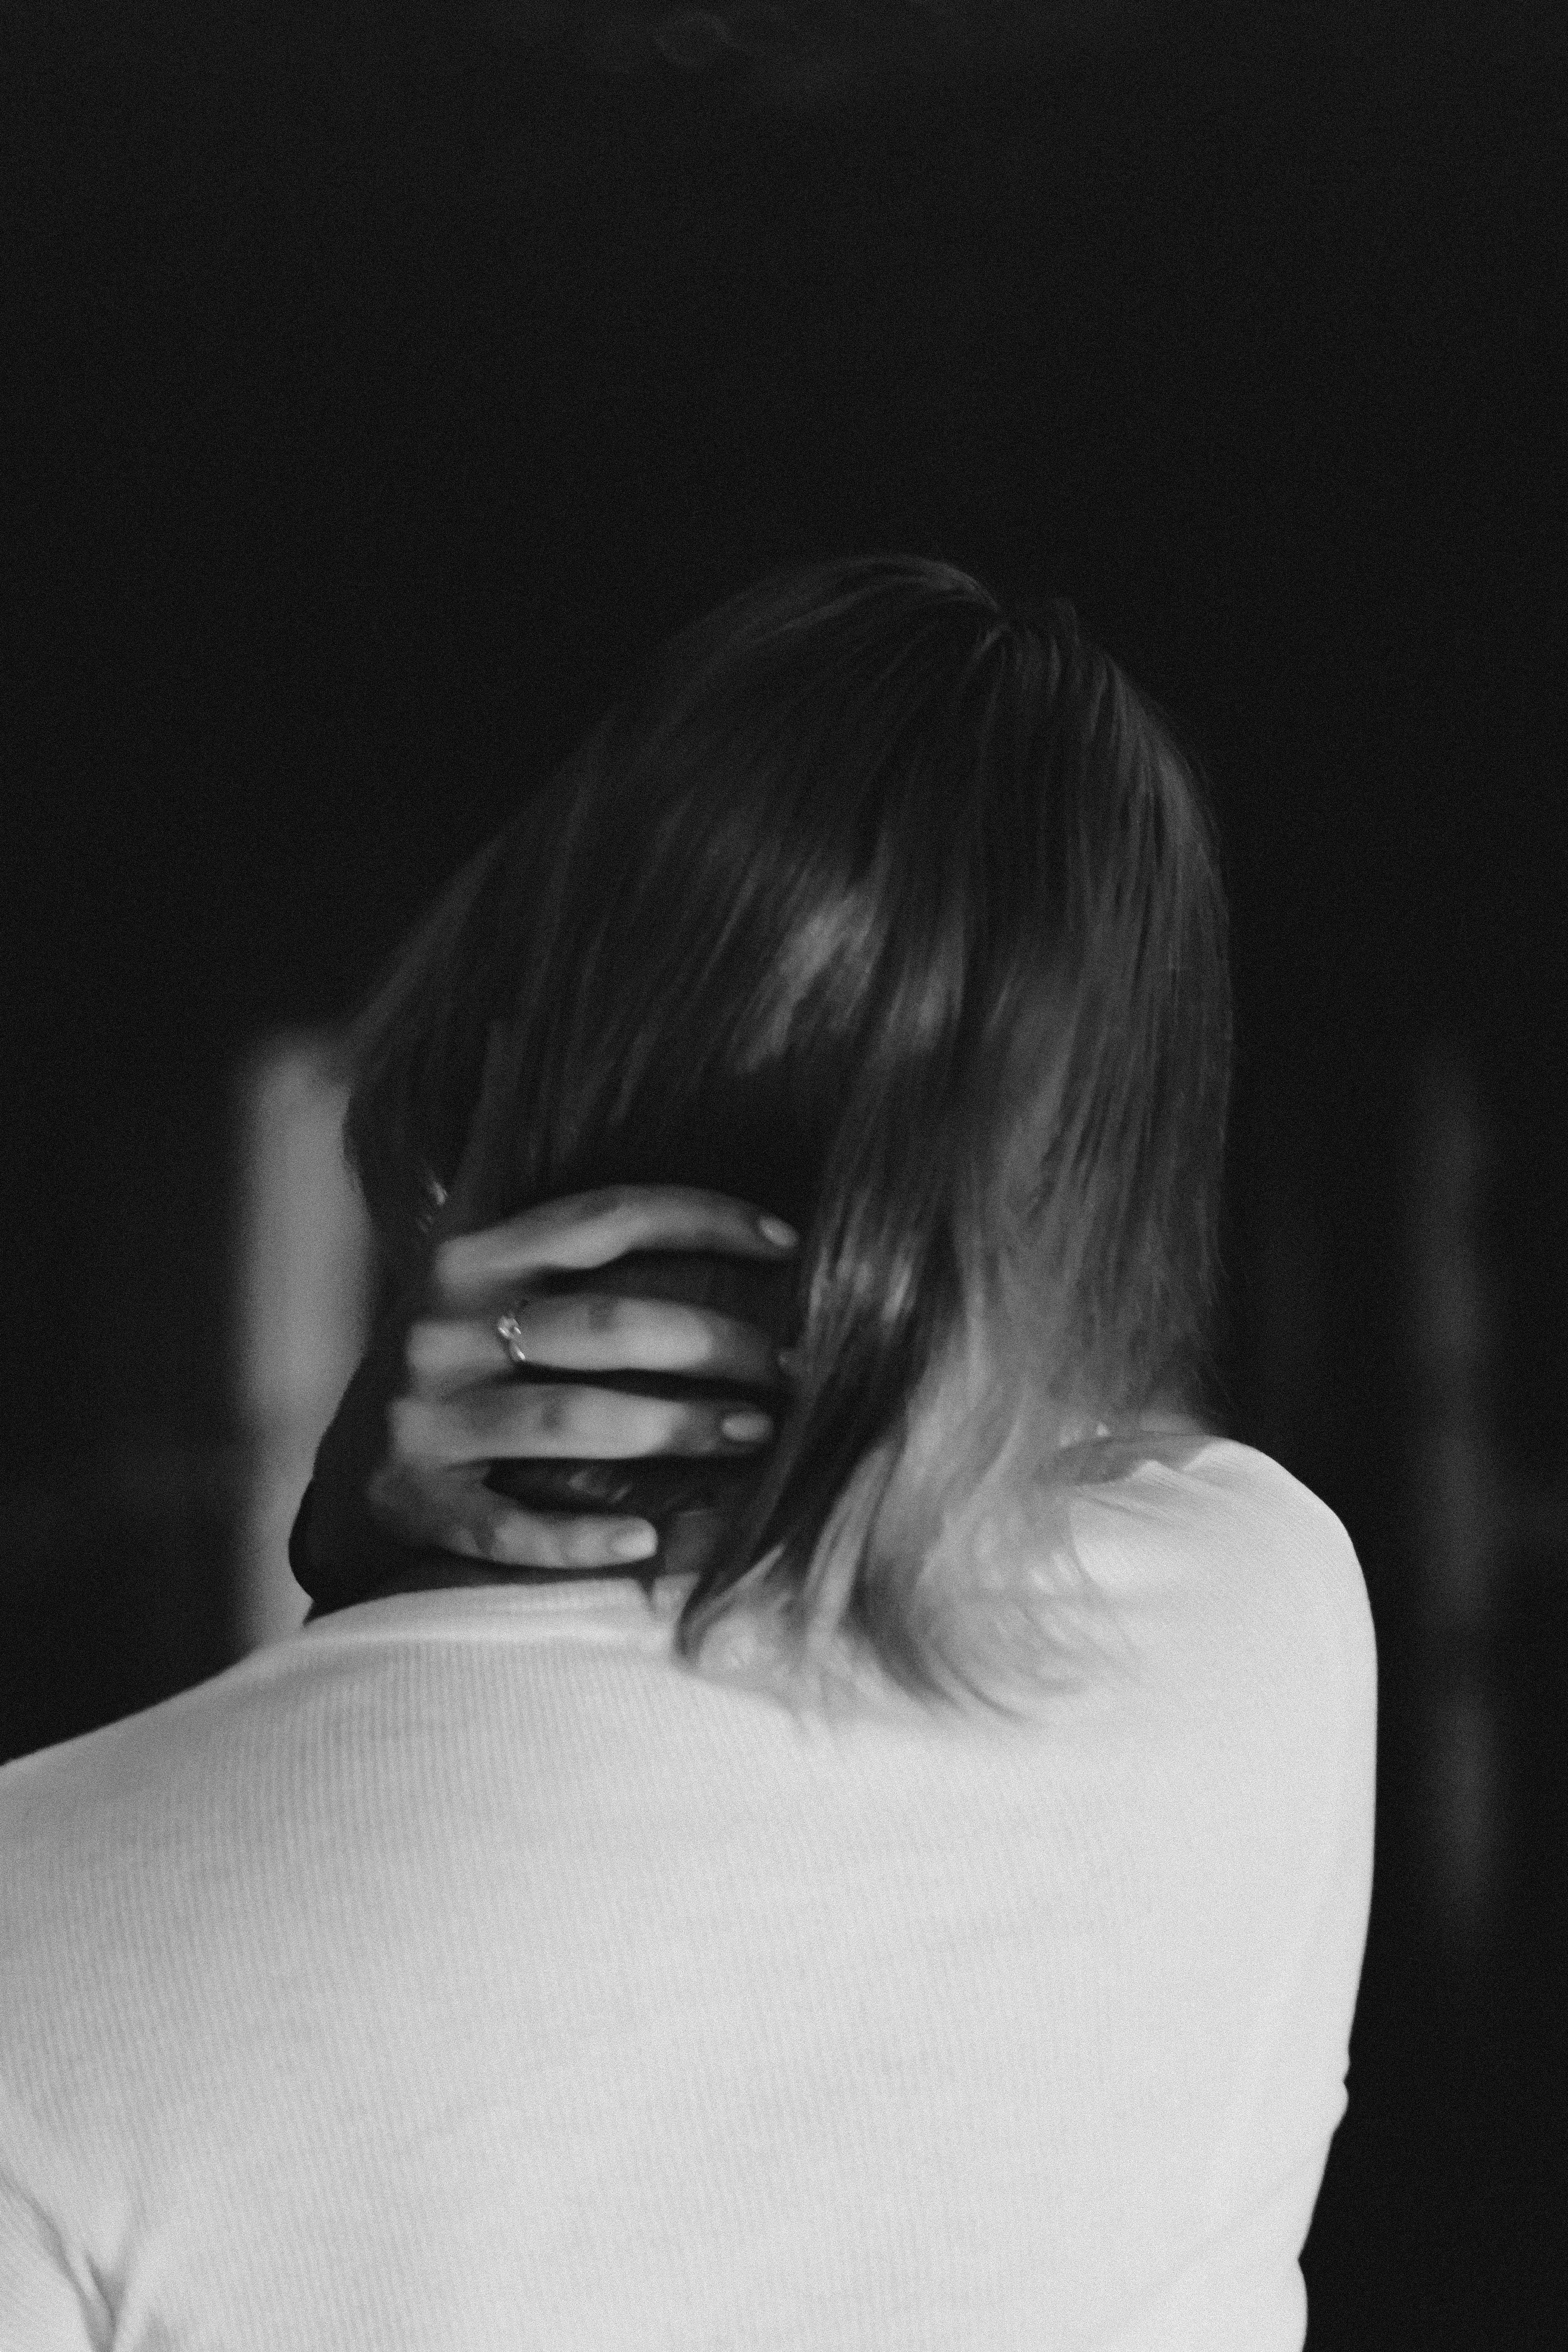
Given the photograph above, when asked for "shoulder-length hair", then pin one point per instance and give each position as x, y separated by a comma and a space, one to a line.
898, 911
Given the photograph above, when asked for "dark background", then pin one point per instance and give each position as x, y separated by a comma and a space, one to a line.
377, 379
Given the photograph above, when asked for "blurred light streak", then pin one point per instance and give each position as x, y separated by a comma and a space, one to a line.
1459, 1509
302, 1286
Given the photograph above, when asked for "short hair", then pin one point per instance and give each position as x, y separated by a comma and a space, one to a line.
897, 910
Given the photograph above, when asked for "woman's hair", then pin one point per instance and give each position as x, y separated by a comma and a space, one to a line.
897, 912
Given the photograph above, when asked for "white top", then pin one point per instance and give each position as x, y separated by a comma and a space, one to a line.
464, 1971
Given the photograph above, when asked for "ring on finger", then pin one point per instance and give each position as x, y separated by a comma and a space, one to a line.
509, 1331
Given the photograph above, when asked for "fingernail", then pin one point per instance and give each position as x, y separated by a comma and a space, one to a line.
633, 1543
773, 1229
743, 1426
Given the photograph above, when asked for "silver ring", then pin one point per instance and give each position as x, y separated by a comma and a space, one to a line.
509, 1331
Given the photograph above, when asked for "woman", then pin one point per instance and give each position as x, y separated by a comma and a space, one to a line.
537, 1978
955, 997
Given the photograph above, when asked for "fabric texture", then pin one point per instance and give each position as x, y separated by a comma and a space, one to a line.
465, 1971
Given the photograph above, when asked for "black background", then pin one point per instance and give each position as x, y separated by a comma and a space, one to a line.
378, 380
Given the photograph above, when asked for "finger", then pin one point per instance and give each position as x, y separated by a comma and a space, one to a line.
499, 1532
587, 1332
591, 1229
458, 1516
442, 1356
518, 1423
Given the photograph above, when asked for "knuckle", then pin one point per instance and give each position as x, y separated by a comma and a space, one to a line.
611, 1201
529, 1541
394, 1502
517, 1541
589, 1541
552, 1410
722, 1340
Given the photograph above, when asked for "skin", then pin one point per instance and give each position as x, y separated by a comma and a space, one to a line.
446, 1408
439, 1396
435, 1405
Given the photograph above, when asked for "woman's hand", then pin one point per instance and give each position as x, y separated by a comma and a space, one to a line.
435, 1406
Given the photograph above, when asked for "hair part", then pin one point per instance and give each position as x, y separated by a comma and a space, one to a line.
898, 913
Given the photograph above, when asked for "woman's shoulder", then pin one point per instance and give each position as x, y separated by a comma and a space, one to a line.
1228, 1564
1259, 1504
1238, 1489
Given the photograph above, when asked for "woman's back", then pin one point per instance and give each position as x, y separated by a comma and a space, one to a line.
464, 1970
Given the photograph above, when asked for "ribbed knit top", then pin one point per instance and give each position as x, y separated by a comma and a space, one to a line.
465, 1971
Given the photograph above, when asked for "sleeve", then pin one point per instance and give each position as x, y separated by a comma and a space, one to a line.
1269, 2174
1298, 2092
1243, 2289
